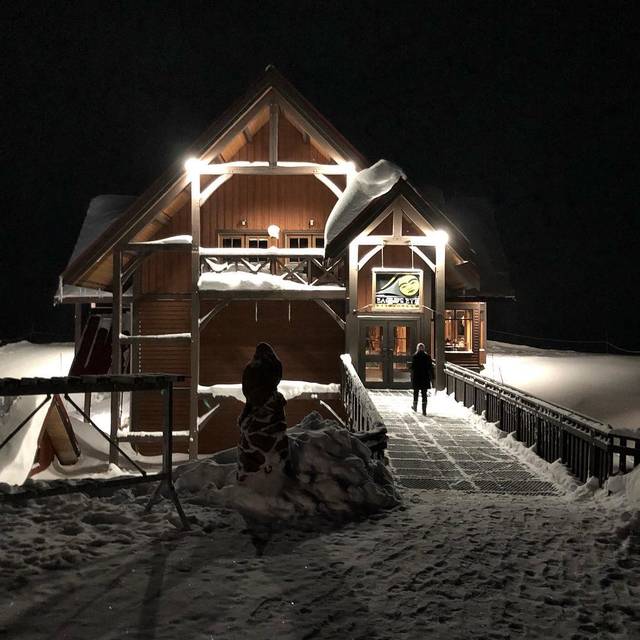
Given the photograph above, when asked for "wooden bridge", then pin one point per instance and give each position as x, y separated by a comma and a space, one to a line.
444, 450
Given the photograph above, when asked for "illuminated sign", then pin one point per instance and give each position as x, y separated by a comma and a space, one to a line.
397, 289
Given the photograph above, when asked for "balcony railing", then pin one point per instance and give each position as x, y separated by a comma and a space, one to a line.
303, 266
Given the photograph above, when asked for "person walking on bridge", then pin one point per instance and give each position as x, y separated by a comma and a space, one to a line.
421, 376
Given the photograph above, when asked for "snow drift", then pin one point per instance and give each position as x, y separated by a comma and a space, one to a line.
335, 478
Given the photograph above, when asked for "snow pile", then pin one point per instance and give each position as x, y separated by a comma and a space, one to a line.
335, 478
600, 385
364, 188
232, 280
22, 360
627, 487
288, 388
181, 239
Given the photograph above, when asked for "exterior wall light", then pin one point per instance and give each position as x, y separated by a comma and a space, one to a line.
441, 237
192, 165
312, 222
273, 230
243, 222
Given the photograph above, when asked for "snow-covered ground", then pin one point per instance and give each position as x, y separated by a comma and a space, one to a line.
441, 564
602, 386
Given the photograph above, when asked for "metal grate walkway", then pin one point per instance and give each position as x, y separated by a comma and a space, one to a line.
444, 451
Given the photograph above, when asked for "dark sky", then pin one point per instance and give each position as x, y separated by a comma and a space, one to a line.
528, 104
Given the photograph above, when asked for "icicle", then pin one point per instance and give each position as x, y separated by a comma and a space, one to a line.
256, 311
289, 313
412, 253
382, 256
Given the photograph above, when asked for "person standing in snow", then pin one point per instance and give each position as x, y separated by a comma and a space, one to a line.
421, 376
263, 449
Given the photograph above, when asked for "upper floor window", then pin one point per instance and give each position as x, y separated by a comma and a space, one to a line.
257, 242
231, 242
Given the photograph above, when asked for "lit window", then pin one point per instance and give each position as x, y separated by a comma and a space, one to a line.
458, 330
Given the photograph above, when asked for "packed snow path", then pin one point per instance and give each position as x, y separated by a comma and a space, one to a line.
443, 450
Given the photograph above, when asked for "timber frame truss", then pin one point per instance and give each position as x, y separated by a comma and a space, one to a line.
322, 279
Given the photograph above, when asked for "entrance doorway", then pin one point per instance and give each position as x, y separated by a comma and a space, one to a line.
386, 347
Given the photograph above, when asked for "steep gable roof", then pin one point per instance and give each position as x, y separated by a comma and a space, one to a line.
272, 86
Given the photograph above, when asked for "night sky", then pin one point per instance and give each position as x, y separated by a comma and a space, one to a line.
526, 103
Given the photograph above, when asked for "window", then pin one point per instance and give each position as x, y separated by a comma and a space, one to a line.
458, 330
258, 243
231, 242
306, 241
298, 242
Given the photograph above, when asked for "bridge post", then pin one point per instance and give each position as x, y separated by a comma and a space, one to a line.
439, 314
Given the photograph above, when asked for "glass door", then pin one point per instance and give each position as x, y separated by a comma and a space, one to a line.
372, 353
402, 338
386, 347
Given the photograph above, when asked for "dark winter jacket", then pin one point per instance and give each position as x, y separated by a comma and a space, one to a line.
261, 375
421, 370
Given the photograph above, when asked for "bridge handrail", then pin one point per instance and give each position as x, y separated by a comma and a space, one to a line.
586, 445
362, 414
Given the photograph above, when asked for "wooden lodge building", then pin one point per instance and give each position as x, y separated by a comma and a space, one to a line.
276, 229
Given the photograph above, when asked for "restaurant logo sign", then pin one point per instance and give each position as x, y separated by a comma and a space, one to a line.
397, 289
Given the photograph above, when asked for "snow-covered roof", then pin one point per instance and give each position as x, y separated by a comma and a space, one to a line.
362, 190
102, 211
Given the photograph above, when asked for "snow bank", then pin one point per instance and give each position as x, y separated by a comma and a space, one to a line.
364, 188
288, 388
335, 477
600, 385
231, 280
21, 360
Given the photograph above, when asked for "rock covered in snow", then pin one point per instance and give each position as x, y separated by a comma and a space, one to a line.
335, 477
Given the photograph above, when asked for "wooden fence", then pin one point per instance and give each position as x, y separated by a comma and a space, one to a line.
586, 446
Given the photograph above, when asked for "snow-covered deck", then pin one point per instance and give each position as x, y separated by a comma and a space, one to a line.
445, 450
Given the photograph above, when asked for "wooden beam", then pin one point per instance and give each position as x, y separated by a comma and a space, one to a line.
367, 256
420, 241
195, 316
248, 136
77, 326
274, 112
162, 337
208, 317
351, 312
327, 182
422, 256
280, 169
116, 357
213, 187
312, 293
439, 316
339, 321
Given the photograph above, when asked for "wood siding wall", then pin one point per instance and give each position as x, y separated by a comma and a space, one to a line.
306, 339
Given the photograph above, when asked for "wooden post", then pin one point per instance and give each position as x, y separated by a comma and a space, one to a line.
195, 315
439, 315
273, 133
116, 358
351, 317
77, 326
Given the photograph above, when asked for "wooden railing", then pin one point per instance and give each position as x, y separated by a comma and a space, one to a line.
586, 446
304, 266
362, 414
